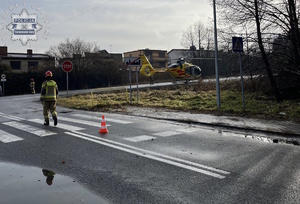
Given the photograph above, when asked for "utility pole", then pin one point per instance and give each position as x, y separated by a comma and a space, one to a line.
199, 43
216, 56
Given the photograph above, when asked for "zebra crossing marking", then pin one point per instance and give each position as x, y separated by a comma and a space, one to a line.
84, 122
140, 138
42, 132
60, 125
187, 130
6, 137
11, 117
100, 118
166, 133
31, 129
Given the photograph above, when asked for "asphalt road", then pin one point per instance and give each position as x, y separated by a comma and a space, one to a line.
140, 160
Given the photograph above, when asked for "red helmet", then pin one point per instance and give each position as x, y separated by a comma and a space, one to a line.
48, 73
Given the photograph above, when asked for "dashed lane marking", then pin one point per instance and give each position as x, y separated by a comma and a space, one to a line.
233, 134
140, 138
100, 118
6, 137
159, 134
166, 133
30, 129
187, 130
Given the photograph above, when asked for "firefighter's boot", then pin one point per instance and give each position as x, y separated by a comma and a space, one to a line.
55, 120
46, 122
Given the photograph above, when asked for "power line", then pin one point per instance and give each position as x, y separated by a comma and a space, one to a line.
80, 14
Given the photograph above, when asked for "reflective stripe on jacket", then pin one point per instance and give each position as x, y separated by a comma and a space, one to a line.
49, 91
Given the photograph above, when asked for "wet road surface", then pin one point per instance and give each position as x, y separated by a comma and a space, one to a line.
27, 184
140, 160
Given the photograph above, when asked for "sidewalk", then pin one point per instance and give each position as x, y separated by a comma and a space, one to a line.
282, 128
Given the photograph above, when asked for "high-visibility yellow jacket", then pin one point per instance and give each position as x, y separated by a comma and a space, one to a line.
32, 87
49, 91
32, 84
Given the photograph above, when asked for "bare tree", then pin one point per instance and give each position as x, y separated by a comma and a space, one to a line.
209, 38
278, 18
199, 29
253, 13
188, 38
194, 35
75, 51
263, 53
69, 47
284, 15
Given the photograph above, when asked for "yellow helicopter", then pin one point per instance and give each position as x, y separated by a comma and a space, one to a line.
180, 70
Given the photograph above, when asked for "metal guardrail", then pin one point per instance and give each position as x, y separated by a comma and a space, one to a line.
101, 90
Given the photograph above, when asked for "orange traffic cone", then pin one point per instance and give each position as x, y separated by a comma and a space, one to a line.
103, 128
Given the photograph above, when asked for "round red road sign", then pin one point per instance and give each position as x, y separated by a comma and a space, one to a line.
67, 66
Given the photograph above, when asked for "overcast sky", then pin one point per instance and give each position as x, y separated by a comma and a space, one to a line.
115, 25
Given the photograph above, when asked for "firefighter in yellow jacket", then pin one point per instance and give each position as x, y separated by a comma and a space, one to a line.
32, 86
49, 94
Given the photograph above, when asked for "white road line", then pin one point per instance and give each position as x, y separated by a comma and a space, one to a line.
6, 137
85, 122
31, 129
11, 117
139, 138
153, 155
59, 125
233, 134
166, 133
100, 118
187, 130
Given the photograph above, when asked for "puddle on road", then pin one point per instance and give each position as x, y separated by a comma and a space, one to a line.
262, 138
23, 184
65, 111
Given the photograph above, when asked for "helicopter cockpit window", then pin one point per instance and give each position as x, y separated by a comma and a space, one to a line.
188, 70
197, 71
193, 71
174, 65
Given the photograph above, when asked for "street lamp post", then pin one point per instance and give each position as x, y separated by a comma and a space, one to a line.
216, 56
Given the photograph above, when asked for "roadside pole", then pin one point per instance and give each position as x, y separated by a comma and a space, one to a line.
242, 83
3, 89
135, 63
137, 85
129, 68
67, 84
216, 57
67, 66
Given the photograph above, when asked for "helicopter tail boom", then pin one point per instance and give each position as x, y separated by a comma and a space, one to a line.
146, 69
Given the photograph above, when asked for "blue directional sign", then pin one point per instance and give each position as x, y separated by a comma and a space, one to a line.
237, 44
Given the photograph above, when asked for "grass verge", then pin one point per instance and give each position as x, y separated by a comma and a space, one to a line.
257, 105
